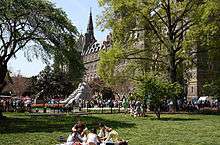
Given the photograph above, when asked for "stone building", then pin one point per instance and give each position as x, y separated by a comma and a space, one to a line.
205, 70
91, 49
90, 55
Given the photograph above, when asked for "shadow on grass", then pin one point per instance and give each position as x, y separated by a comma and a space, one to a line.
208, 112
175, 119
54, 123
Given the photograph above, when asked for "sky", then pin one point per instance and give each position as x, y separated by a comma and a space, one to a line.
78, 13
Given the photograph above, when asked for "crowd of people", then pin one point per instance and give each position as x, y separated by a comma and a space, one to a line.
139, 108
102, 103
5, 105
134, 107
9, 105
80, 135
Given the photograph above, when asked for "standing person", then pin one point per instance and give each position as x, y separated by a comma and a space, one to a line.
6, 105
1, 108
138, 109
80, 105
132, 107
125, 104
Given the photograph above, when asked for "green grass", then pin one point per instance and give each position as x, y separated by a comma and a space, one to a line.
179, 129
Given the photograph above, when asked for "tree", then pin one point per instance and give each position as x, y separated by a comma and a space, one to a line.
37, 27
96, 86
153, 34
70, 62
213, 89
166, 21
157, 91
51, 84
110, 69
18, 85
205, 35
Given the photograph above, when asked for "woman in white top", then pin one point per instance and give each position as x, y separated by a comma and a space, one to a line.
77, 135
92, 138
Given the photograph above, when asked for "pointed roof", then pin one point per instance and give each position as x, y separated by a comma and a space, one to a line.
89, 35
90, 28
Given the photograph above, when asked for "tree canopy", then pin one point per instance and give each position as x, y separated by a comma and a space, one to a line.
35, 26
162, 27
50, 83
156, 90
161, 37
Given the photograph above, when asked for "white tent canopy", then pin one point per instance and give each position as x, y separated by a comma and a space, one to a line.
203, 98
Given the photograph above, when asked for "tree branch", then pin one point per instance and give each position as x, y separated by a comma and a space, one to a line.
187, 24
1, 36
185, 11
183, 30
137, 30
16, 41
144, 58
7, 44
168, 13
164, 22
152, 27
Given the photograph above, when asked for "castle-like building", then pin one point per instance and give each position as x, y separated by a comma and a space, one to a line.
90, 56
91, 49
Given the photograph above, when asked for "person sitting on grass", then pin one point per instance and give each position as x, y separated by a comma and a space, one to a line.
109, 136
92, 138
104, 131
81, 128
77, 135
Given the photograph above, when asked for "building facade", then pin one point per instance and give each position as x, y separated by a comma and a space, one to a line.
90, 55
91, 49
205, 70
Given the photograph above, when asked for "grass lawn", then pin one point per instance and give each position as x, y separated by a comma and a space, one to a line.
181, 129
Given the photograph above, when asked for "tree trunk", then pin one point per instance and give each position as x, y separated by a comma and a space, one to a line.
172, 67
3, 72
1, 114
173, 73
218, 105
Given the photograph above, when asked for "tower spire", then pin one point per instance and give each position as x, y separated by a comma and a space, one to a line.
89, 36
90, 28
